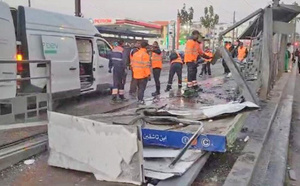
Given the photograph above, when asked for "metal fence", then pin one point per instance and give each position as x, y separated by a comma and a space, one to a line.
26, 107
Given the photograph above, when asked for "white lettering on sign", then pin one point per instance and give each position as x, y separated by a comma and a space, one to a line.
160, 138
185, 139
205, 142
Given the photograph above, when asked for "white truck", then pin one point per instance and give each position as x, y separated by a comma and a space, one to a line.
78, 54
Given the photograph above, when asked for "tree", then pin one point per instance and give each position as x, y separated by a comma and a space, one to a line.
186, 16
210, 19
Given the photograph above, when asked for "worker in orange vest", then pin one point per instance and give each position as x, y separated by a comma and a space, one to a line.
156, 61
133, 85
191, 54
242, 52
206, 65
176, 67
141, 65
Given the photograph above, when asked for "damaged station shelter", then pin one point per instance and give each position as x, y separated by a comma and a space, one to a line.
169, 140
129, 30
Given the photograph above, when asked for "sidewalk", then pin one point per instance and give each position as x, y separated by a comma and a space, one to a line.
294, 151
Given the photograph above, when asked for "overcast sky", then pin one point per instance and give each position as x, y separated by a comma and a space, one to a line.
149, 10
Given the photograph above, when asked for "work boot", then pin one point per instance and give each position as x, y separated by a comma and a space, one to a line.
155, 93
113, 99
141, 102
168, 88
122, 98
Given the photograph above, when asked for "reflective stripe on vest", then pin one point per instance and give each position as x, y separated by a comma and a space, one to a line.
140, 68
177, 60
191, 52
156, 60
241, 53
209, 54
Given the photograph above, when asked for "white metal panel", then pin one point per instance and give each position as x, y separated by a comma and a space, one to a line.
62, 51
110, 152
7, 52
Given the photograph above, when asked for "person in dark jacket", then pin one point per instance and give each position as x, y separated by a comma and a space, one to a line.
117, 62
133, 83
176, 67
230, 48
297, 58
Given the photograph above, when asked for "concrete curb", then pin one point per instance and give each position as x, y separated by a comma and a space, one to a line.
243, 169
14, 154
278, 160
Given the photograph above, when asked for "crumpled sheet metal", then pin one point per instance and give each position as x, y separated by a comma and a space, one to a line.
211, 111
110, 152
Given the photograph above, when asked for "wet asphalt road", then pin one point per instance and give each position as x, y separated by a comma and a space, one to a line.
100, 103
40, 174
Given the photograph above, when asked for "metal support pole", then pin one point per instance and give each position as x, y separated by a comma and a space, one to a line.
174, 37
233, 22
78, 8
266, 66
29, 3
49, 87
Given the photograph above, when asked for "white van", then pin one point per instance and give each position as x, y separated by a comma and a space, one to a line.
78, 54
7, 52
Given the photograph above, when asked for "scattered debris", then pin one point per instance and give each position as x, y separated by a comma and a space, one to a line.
244, 130
292, 175
246, 139
29, 162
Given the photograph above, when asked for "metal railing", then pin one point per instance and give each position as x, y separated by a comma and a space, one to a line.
19, 104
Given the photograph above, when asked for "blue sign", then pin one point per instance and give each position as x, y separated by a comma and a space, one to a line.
176, 139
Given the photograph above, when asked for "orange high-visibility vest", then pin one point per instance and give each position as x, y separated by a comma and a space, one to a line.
228, 46
156, 60
177, 60
140, 64
209, 54
192, 51
241, 53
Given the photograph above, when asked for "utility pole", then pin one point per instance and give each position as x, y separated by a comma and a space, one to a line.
233, 29
29, 3
78, 8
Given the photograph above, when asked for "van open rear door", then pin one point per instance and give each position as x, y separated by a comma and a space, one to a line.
7, 52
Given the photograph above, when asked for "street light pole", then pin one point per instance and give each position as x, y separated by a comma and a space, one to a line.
29, 3
78, 8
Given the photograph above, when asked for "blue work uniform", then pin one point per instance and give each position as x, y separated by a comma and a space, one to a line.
117, 62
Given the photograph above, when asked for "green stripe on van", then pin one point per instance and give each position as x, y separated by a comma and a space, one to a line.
50, 51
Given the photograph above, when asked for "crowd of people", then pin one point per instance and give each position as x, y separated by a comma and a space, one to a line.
146, 61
